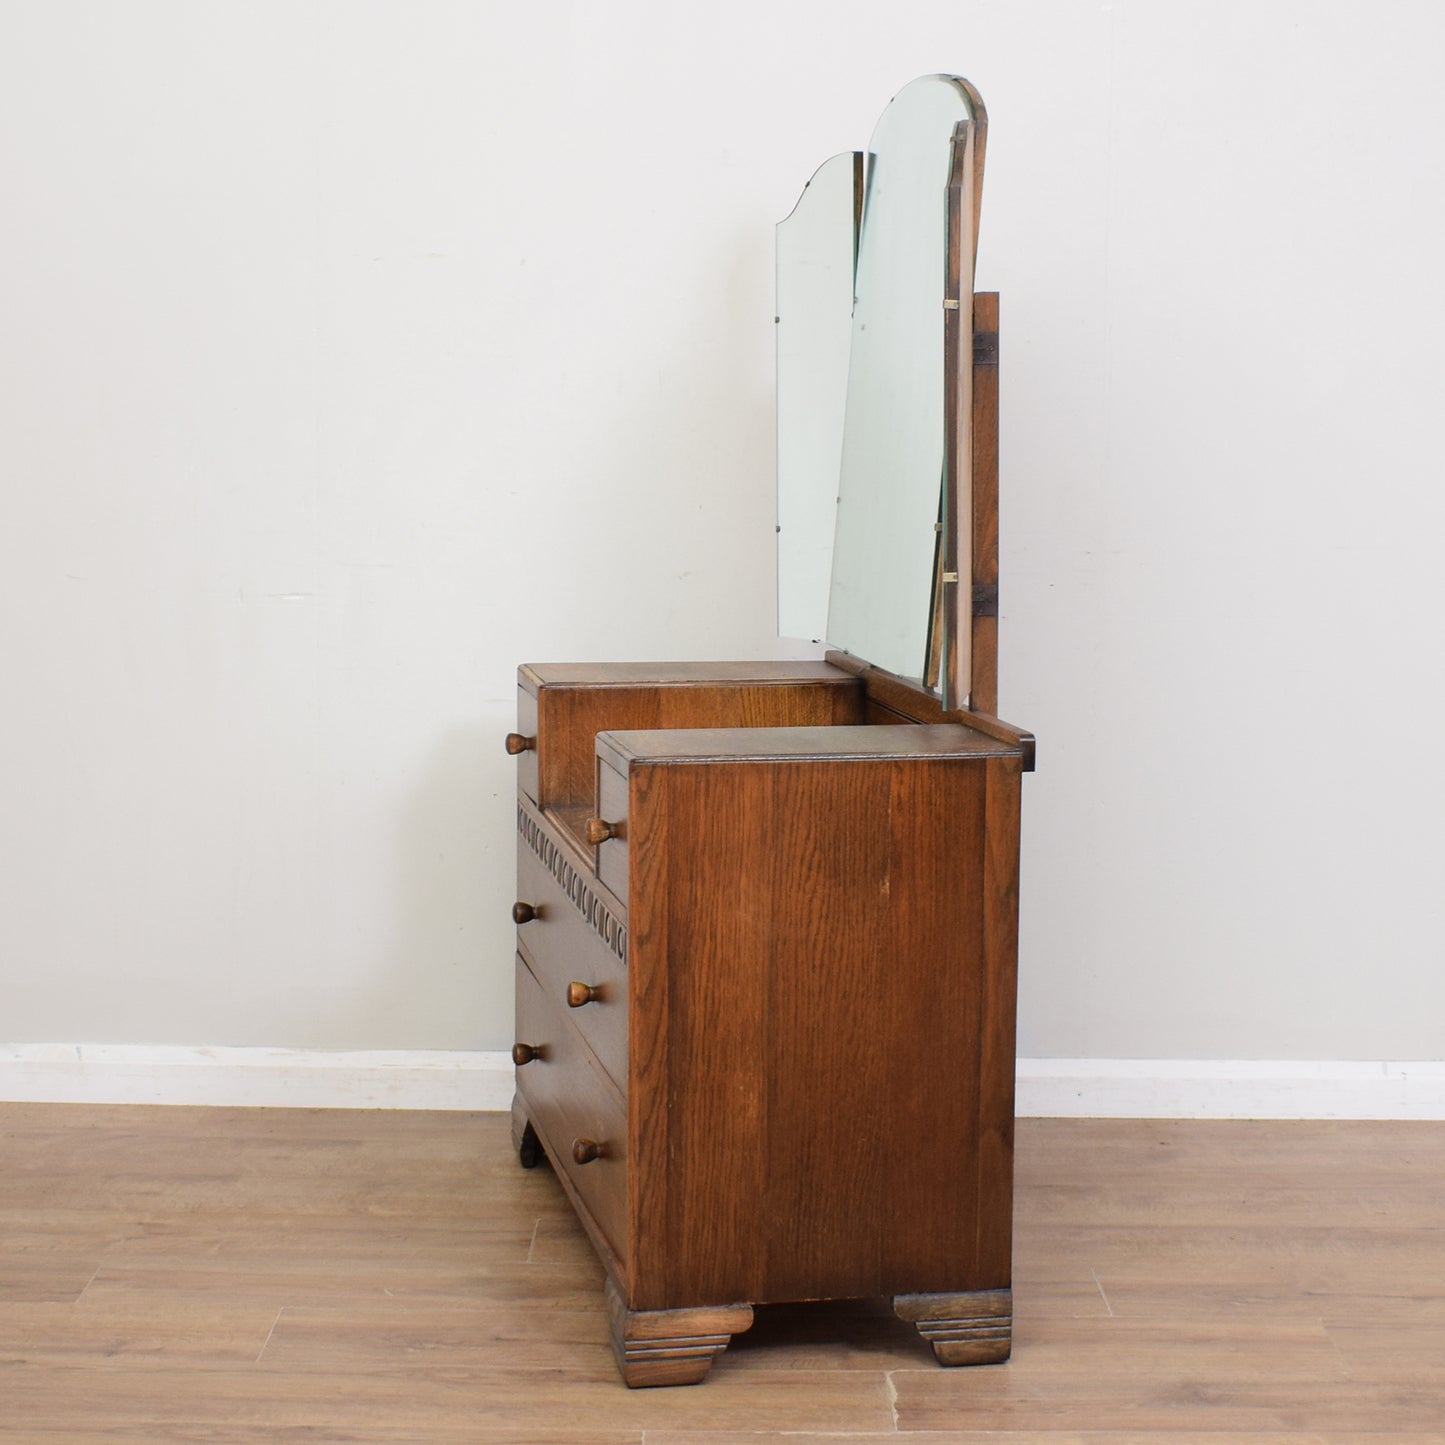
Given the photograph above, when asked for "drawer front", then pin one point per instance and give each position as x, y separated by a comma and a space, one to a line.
612, 854
576, 938
572, 1102
527, 726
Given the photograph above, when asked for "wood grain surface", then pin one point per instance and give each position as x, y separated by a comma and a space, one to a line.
891, 699
237, 1276
762, 744
574, 704
812, 1015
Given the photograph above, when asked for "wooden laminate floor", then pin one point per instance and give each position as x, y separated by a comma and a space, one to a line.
281, 1275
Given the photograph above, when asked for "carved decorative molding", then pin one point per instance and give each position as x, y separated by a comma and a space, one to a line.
598, 917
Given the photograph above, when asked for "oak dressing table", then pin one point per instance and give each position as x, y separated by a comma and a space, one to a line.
767, 916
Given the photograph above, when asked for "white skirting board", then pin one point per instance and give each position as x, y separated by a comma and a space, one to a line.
1230, 1089
256, 1077
423, 1079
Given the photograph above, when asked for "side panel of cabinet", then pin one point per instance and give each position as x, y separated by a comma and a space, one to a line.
822, 961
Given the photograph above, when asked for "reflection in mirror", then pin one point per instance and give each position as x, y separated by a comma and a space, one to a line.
886, 532
816, 248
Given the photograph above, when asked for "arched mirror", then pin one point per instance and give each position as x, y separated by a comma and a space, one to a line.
875, 364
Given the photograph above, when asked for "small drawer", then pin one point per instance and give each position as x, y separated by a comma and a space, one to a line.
576, 935
612, 853
527, 729
573, 1105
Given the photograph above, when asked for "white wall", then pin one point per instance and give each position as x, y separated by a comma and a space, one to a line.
352, 353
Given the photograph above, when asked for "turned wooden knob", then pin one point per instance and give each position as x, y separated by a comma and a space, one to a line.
523, 913
524, 1054
584, 1151
580, 993
516, 743
599, 831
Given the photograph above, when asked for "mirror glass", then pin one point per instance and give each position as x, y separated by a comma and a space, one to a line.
816, 248
889, 468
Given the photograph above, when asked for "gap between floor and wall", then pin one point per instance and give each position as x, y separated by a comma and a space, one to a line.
421, 1079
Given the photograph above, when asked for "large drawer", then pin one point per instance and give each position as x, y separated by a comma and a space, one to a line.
576, 936
573, 1104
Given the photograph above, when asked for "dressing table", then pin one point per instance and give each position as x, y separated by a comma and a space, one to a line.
767, 916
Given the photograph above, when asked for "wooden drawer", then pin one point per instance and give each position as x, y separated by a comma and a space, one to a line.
579, 935
570, 1101
612, 853
573, 703
527, 766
